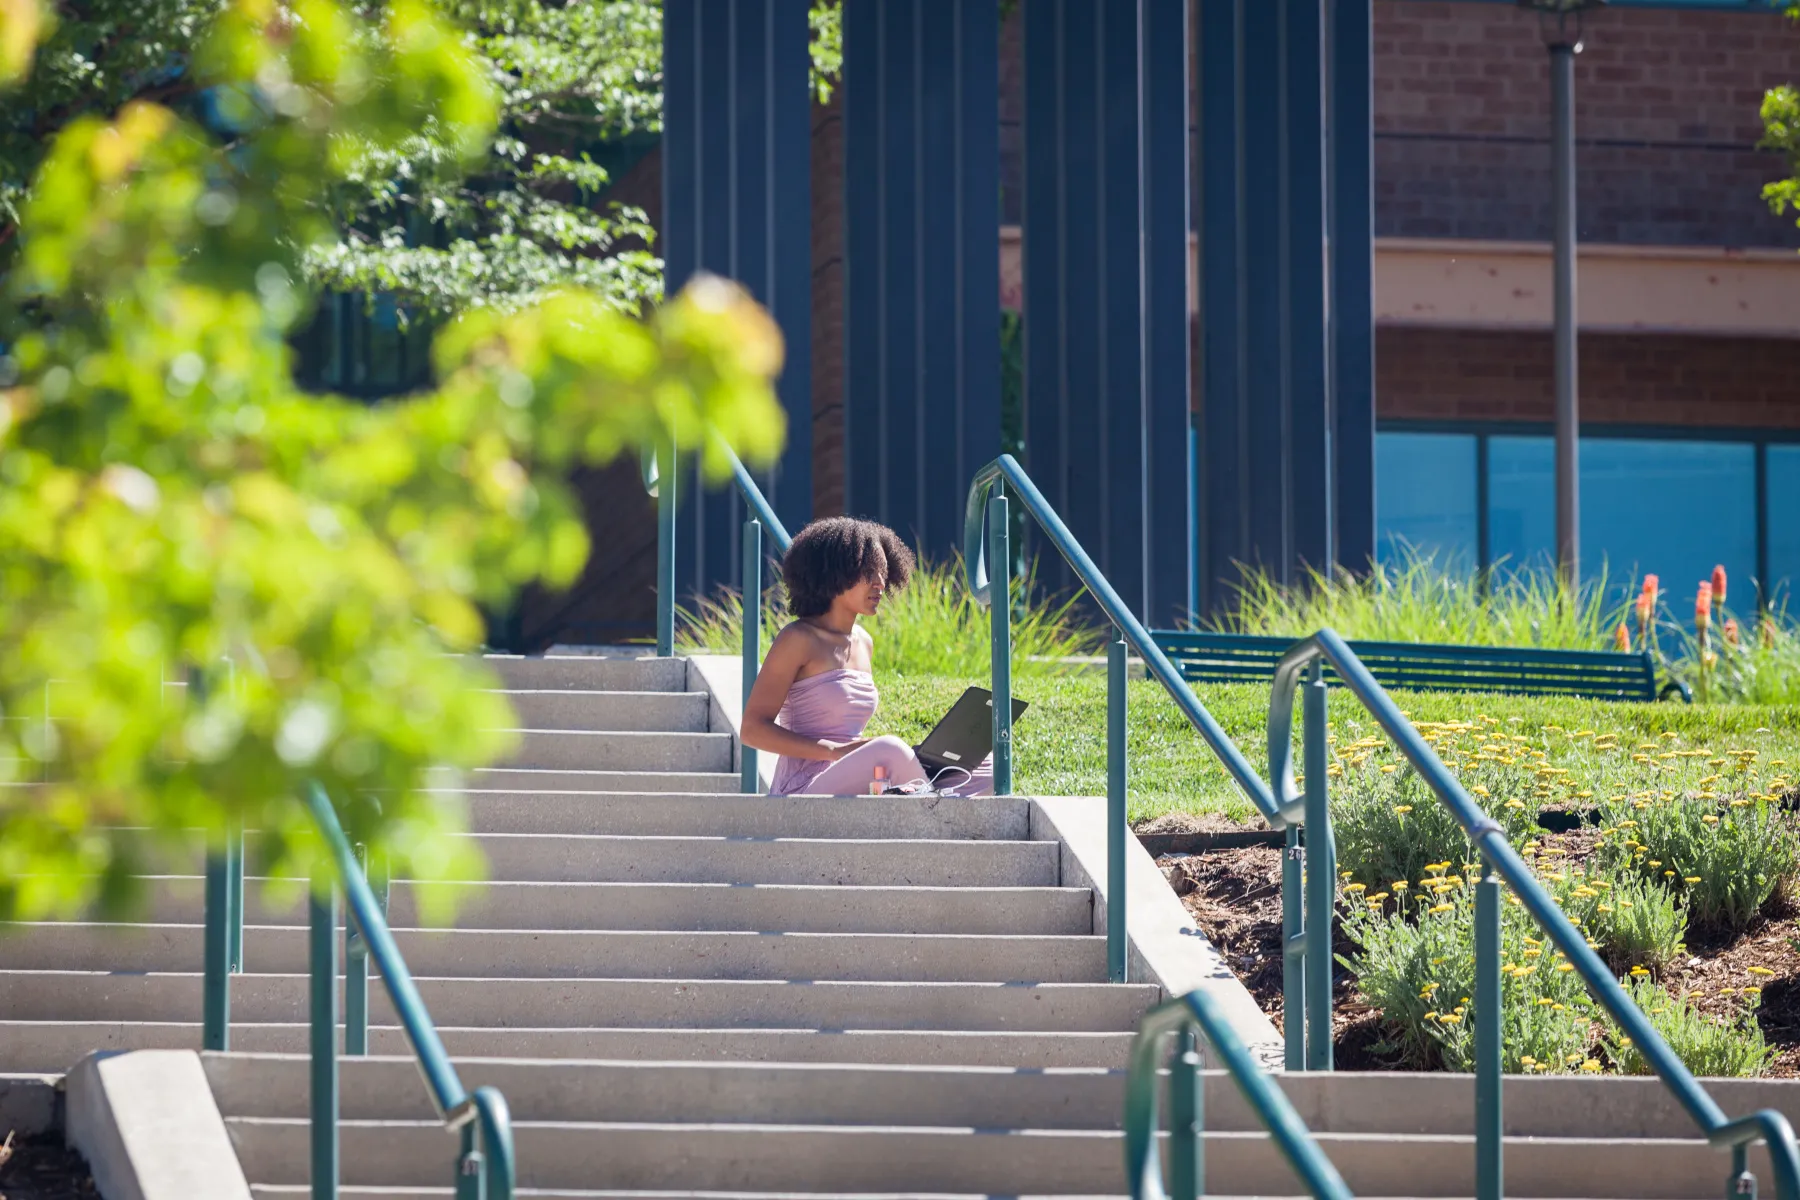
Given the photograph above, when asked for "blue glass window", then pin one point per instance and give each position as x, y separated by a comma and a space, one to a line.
1425, 496
1675, 508
1521, 502
1784, 521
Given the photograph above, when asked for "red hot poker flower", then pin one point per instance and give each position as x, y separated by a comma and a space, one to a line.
1622, 636
1731, 631
1703, 607
1718, 585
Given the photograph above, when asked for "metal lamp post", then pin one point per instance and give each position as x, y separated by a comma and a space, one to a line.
1560, 21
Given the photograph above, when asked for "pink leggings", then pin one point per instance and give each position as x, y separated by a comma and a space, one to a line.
851, 774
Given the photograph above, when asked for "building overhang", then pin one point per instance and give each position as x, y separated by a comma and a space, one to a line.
1697, 290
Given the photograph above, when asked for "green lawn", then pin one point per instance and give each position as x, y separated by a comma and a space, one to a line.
1061, 743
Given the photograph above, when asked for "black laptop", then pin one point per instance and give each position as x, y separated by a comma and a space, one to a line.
965, 736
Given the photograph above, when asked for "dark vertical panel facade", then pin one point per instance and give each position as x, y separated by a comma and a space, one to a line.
737, 203
1105, 357
1280, 325
1307, 349
1265, 250
921, 255
1222, 457
1165, 421
1352, 157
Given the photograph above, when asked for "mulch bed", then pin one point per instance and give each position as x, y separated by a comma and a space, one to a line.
1234, 896
41, 1167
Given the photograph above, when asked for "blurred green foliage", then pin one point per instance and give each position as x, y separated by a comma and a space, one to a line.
174, 510
416, 216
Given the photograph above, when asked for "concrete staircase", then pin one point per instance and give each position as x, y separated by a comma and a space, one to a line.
683, 991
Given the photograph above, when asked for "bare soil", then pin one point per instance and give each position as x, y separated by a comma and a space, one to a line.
1235, 899
41, 1167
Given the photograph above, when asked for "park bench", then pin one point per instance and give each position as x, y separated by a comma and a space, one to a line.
1429, 667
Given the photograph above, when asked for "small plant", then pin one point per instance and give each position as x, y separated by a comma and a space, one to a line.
1728, 856
1633, 922
1389, 824
1709, 1046
1416, 964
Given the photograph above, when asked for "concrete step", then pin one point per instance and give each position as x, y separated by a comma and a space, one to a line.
577, 750
789, 908
590, 954
585, 673
528, 779
300, 1191
50, 1046
885, 863
586, 1003
663, 712
748, 1157
712, 1093
987, 818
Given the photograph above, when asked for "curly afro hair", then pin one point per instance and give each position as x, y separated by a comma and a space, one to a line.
831, 556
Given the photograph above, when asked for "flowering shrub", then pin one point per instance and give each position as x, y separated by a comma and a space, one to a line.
1416, 963
1727, 851
1709, 1046
1389, 824
1632, 921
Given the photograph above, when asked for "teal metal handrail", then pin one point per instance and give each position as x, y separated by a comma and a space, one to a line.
485, 1164
987, 499
1187, 1149
752, 578
1498, 859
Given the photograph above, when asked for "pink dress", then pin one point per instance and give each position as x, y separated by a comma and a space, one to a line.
836, 706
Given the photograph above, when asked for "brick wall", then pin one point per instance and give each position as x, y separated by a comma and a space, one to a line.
1640, 379
1666, 123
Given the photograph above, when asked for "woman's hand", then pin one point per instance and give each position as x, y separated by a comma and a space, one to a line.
839, 749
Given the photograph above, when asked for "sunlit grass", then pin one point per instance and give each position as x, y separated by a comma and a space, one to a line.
1060, 744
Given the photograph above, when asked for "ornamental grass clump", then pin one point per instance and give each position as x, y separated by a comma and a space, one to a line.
1389, 824
1416, 963
1728, 854
1711, 1046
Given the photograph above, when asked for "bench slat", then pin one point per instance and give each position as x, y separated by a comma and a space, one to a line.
1596, 674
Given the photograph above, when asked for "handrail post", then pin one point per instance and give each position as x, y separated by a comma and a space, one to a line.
999, 558
215, 999
356, 977
1293, 953
322, 993
471, 1177
666, 463
1115, 807
234, 850
1489, 1124
1321, 876
748, 782
1187, 1120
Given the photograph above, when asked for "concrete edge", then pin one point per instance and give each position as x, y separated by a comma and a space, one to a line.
148, 1125
1165, 946
28, 1103
721, 676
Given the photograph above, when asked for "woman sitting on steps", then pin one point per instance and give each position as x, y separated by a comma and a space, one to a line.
815, 694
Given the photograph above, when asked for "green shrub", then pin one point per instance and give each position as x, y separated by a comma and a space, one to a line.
1416, 963
1632, 921
1728, 857
1709, 1046
931, 627
1389, 824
